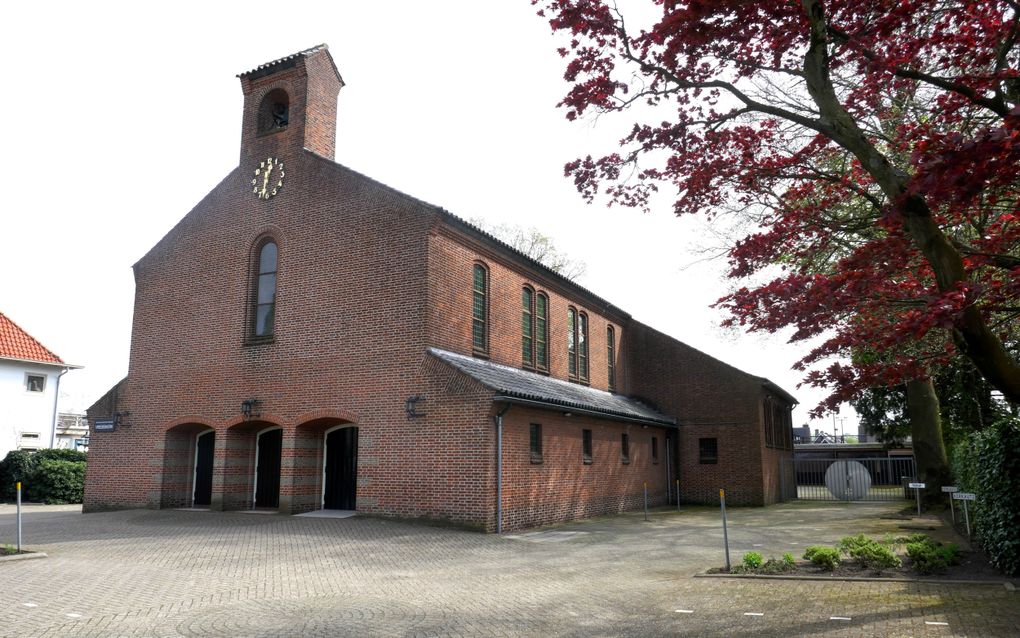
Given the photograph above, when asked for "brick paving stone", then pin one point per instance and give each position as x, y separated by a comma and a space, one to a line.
184, 573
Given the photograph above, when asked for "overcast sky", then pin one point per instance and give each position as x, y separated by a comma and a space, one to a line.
119, 118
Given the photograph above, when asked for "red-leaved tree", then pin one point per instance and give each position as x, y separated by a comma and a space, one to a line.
875, 142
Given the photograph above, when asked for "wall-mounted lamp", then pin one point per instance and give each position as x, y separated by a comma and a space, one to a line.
411, 406
118, 419
251, 408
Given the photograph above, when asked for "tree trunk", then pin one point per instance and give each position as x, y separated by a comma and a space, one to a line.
926, 432
971, 332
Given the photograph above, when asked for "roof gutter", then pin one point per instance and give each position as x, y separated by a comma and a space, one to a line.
548, 405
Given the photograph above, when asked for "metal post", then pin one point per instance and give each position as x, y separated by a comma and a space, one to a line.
19, 515
952, 509
725, 536
646, 500
966, 517
678, 495
917, 493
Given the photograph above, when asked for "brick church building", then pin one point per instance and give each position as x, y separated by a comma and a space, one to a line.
309, 338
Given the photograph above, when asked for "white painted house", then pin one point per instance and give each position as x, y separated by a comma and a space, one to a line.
29, 386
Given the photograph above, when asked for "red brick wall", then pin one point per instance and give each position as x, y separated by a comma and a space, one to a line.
710, 399
562, 487
452, 256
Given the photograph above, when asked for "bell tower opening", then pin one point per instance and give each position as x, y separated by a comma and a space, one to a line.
274, 112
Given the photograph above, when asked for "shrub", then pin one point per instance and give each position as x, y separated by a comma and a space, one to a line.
870, 554
825, 557
47, 476
753, 560
988, 464
773, 566
848, 544
16, 466
876, 556
927, 559
58, 481
788, 560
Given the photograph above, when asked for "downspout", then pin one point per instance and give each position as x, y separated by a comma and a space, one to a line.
56, 397
499, 467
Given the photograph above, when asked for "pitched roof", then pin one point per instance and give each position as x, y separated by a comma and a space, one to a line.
288, 61
531, 388
15, 343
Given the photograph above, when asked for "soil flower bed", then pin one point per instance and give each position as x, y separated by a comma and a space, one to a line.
858, 556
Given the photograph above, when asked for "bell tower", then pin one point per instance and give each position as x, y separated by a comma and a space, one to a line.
290, 104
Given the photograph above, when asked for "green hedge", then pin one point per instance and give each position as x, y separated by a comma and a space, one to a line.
47, 476
988, 464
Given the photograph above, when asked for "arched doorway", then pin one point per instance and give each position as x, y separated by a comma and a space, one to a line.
187, 461
340, 468
202, 481
268, 452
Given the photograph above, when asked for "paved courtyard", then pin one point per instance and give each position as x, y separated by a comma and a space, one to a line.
186, 573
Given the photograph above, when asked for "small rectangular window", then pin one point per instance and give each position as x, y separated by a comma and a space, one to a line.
30, 435
655, 450
625, 447
536, 443
586, 446
35, 382
708, 451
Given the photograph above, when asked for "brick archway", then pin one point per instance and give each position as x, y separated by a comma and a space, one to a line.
177, 488
309, 455
237, 460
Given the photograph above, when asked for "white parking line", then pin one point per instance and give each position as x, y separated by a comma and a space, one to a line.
753, 613
932, 622
29, 604
839, 618
73, 615
685, 611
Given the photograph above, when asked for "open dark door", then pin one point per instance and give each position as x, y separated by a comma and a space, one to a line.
267, 472
203, 468
341, 473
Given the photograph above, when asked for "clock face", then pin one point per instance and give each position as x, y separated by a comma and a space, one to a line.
268, 180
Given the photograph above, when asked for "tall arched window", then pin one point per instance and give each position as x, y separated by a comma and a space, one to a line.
528, 327
480, 311
577, 345
264, 313
541, 332
534, 329
582, 346
611, 356
572, 343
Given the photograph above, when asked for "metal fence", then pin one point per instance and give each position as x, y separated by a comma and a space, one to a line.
878, 479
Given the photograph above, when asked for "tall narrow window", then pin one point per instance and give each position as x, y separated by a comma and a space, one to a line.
536, 442
480, 311
265, 292
582, 346
572, 343
625, 447
528, 327
542, 332
586, 446
611, 355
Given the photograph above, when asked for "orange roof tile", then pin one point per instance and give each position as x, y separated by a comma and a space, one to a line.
15, 343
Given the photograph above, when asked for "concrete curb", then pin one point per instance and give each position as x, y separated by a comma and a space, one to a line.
863, 579
28, 556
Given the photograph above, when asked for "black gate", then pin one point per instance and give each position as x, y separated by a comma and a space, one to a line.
865, 479
341, 471
203, 468
267, 469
